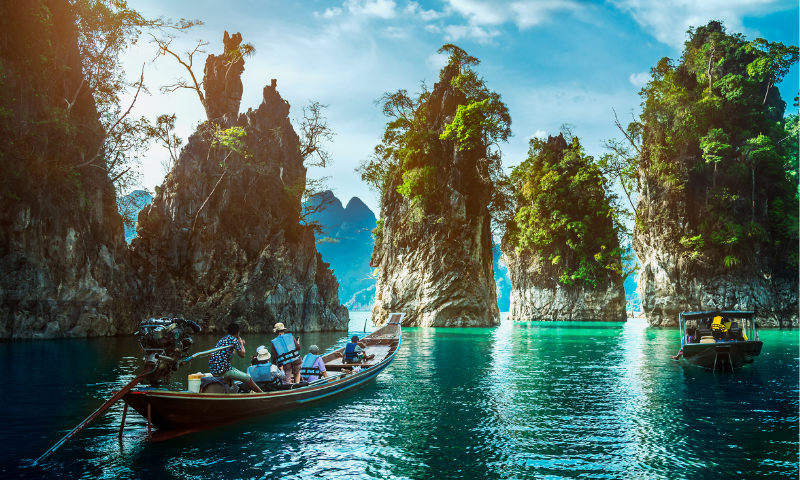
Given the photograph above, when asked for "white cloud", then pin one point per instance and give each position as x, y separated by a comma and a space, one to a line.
373, 8
454, 33
329, 13
413, 8
528, 14
669, 19
394, 32
437, 61
433, 28
538, 134
639, 79
524, 13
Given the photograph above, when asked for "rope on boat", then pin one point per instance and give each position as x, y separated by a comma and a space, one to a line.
93, 416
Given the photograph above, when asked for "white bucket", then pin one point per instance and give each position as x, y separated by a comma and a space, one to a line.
194, 381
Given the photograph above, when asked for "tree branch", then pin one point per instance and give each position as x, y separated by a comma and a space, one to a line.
107, 133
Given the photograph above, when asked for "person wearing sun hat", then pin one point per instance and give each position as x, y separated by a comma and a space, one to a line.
262, 371
313, 367
286, 354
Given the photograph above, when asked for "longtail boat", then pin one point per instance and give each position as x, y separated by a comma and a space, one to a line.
719, 340
174, 413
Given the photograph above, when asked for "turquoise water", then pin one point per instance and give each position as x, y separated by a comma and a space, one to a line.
544, 400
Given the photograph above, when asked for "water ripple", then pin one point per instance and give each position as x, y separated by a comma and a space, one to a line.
548, 400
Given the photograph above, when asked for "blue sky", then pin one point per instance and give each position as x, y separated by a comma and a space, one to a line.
553, 61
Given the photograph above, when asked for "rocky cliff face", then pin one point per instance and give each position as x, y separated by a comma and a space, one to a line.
440, 274
221, 240
717, 203
562, 245
234, 252
64, 270
223, 80
535, 298
670, 282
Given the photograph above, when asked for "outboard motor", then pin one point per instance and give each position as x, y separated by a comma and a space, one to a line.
163, 342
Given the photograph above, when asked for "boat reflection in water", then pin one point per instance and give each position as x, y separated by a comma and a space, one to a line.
176, 413
719, 340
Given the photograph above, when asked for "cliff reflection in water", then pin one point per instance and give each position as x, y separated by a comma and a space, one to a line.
523, 400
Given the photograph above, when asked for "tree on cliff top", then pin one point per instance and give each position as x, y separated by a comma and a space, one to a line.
713, 128
565, 219
413, 147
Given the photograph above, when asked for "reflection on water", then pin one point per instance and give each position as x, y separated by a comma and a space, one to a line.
544, 400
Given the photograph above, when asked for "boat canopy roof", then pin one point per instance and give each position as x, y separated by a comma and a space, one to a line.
716, 313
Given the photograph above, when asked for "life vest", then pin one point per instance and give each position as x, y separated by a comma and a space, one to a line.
719, 326
262, 373
350, 354
285, 348
308, 369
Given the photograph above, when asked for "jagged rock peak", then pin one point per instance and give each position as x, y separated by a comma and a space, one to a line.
273, 101
222, 79
222, 241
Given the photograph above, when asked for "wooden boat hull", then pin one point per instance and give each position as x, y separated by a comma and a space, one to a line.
721, 355
177, 413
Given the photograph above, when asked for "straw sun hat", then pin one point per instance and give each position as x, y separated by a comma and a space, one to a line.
263, 353
278, 327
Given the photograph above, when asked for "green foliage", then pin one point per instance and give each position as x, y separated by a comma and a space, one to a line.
715, 146
231, 139
412, 156
415, 182
730, 261
468, 125
713, 132
773, 61
693, 245
565, 217
377, 232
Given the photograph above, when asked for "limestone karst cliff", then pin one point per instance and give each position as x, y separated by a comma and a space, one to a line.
717, 205
562, 246
65, 269
221, 240
63, 259
433, 251
537, 298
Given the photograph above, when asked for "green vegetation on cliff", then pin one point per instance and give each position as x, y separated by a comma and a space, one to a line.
415, 148
713, 130
565, 219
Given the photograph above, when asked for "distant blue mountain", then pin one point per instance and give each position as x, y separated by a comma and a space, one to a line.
133, 202
347, 246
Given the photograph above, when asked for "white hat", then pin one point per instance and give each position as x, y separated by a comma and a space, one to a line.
263, 353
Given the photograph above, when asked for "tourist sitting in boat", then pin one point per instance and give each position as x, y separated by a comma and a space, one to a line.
313, 367
354, 353
263, 372
286, 352
219, 364
719, 328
